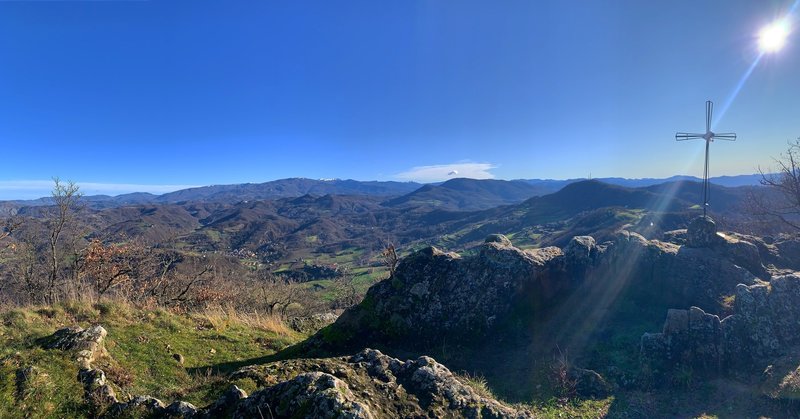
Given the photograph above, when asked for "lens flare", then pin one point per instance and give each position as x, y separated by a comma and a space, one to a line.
773, 37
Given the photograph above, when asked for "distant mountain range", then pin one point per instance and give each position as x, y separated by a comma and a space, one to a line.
339, 228
454, 194
335, 222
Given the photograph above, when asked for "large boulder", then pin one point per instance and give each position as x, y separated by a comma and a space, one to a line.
702, 232
789, 251
766, 317
580, 252
435, 294
689, 337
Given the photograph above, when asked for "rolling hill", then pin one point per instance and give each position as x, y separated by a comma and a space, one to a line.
335, 228
467, 194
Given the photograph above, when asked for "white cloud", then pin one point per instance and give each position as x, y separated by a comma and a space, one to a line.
32, 189
440, 172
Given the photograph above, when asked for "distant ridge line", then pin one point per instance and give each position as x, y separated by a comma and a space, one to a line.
296, 187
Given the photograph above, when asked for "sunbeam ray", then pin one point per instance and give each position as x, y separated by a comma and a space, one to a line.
737, 89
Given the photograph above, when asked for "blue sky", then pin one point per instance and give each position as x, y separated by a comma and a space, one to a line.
155, 95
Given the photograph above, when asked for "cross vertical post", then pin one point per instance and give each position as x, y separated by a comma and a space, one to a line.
709, 136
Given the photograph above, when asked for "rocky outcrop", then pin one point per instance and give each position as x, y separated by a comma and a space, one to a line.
767, 317
225, 405
139, 406
765, 324
86, 343
366, 385
311, 324
690, 337
778, 255
763, 257
436, 295
311, 394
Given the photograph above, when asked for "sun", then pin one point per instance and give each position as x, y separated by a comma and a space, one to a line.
773, 37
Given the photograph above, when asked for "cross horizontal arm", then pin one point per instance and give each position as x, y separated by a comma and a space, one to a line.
727, 136
683, 136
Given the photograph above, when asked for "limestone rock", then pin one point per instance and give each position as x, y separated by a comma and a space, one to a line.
789, 251
675, 236
499, 239
313, 323
702, 232
743, 253
690, 337
224, 406
87, 343
312, 394
765, 324
579, 250
179, 409
366, 385
92, 379
139, 406
435, 296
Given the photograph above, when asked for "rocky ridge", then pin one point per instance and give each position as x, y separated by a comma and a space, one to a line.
368, 384
435, 294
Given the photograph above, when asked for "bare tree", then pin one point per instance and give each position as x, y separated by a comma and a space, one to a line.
390, 259
277, 292
782, 199
107, 266
280, 295
66, 197
347, 294
25, 264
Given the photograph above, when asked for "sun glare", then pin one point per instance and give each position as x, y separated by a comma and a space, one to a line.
773, 37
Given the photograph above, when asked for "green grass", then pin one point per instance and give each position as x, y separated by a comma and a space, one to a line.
555, 408
213, 235
346, 256
365, 280
140, 346
478, 383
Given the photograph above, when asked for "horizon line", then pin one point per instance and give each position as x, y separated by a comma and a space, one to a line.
31, 190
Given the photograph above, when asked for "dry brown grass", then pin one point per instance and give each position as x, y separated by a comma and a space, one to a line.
477, 382
223, 317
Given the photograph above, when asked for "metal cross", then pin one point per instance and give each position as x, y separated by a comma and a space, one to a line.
709, 136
